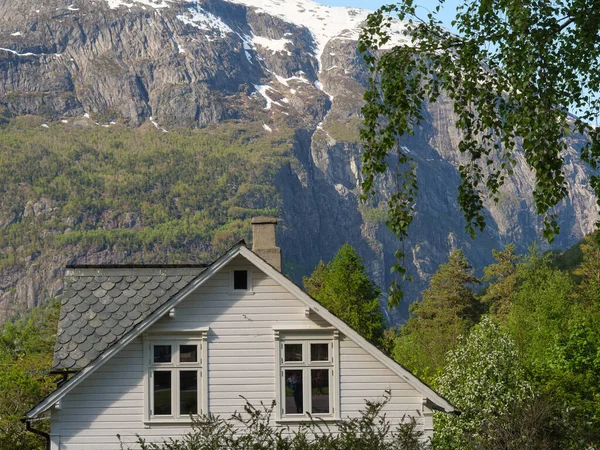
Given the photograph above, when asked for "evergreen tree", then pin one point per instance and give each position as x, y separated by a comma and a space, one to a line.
344, 288
503, 280
448, 309
589, 271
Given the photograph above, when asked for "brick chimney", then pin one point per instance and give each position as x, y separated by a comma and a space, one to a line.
263, 240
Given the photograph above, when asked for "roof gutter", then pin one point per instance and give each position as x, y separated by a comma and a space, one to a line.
43, 434
431, 405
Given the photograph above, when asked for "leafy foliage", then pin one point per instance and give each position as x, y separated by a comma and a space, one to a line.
253, 429
484, 377
26, 347
344, 288
557, 330
541, 328
513, 71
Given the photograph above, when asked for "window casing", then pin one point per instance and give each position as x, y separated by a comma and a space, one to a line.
307, 375
240, 280
175, 378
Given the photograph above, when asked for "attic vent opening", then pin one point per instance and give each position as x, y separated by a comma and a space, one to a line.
240, 279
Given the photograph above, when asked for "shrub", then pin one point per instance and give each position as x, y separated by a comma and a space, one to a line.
253, 430
485, 379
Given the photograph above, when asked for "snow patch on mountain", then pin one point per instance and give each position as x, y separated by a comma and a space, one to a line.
156, 4
275, 45
14, 52
204, 20
262, 90
324, 22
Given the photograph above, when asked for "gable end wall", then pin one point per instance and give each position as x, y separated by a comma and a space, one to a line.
241, 361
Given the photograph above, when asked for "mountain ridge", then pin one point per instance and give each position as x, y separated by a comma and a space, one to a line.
237, 66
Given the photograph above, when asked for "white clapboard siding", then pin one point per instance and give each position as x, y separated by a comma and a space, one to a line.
241, 362
362, 377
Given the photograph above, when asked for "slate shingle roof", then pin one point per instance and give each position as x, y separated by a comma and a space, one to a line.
100, 304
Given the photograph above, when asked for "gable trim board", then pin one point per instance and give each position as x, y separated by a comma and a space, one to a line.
430, 396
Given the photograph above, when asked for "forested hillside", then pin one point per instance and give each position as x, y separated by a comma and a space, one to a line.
115, 195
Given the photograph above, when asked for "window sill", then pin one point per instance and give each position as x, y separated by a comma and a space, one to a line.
149, 423
299, 420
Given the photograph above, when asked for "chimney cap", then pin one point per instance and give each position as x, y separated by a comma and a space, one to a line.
264, 219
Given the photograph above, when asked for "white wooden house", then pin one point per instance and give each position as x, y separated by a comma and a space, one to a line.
145, 346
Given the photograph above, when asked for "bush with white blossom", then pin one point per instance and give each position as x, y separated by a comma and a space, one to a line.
484, 379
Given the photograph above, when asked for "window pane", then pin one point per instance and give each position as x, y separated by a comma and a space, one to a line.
319, 352
240, 279
162, 392
162, 353
319, 385
188, 353
293, 352
293, 392
188, 392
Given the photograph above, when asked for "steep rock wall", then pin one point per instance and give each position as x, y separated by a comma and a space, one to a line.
195, 64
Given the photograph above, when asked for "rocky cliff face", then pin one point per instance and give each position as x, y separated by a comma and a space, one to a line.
293, 65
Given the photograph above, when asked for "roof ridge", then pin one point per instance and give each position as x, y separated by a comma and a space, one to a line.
135, 266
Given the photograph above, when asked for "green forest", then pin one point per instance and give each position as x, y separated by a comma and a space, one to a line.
516, 351
148, 194
26, 348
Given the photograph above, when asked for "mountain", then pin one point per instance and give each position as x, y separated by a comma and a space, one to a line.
152, 130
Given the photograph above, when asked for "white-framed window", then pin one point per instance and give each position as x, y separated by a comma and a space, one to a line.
175, 377
308, 375
240, 280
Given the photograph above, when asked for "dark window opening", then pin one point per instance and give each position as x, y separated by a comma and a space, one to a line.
319, 391
162, 393
293, 352
319, 352
240, 279
188, 353
188, 392
294, 392
162, 353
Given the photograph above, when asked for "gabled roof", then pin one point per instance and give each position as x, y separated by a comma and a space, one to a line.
102, 303
433, 398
